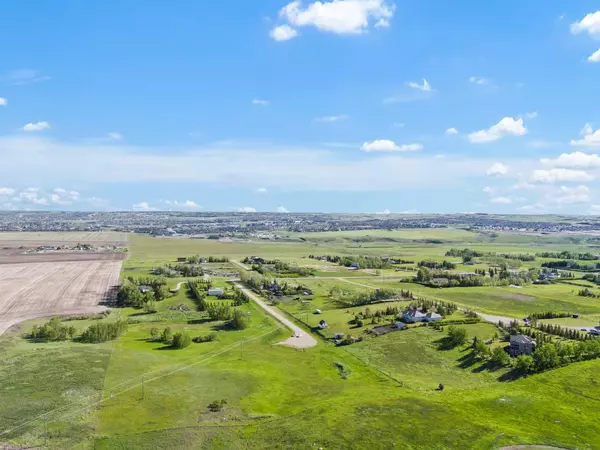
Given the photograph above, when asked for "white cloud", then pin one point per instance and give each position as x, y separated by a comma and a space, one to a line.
331, 118
21, 77
506, 127
569, 195
338, 16
523, 185
385, 145
246, 209
497, 169
7, 192
144, 206
262, 190
479, 80
37, 126
115, 136
260, 102
237, 165
60, 196
560, 175
501, 200
531, 115
590, 24
187, 205
282, 209
451, 131
591, 138
385, 212
3, 101
594, 57
574, 160
425, 87
489, 190
283, 33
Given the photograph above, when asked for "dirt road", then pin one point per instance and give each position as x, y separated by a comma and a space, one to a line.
240, 265
304, 341
355, 283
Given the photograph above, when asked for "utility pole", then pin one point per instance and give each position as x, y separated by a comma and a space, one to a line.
143, 396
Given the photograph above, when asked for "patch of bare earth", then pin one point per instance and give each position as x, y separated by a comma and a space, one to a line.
519, 297
41, 289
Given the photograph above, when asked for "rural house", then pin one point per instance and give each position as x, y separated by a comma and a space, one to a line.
432, 317
413, 315
521, 345
217, 292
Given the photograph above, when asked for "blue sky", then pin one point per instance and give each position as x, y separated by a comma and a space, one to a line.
344, 106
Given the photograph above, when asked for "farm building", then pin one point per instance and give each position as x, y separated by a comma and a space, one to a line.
521, 345
217, 292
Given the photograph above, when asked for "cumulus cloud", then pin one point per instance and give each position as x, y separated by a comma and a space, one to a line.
282, 209
451, 131
574, 160
489, 190
569, 195
260, 102
560, 175
591, 138
336, 16
37, 126
385, 212
425, 87
497, 169
385, 145
479, 80
246, 209
594, 57
144, 206
501, 200
262, 190
187, 205
283, 33
506, 127
3, 101
590, 24
60, 196
329, 119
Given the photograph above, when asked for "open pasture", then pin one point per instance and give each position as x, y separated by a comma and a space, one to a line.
35, 290
31, 239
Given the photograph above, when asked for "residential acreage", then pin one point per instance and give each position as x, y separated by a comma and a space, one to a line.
445, 339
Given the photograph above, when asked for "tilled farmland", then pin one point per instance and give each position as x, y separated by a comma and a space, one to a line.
39, 289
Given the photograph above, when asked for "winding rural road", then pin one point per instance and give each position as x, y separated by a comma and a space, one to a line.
304, 341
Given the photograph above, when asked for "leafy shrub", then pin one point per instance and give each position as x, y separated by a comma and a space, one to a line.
104, 331
53, 330
181, 340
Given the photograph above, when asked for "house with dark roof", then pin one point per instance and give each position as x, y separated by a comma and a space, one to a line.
521, 345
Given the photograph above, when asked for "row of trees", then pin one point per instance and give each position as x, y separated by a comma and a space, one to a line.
178, 270
363, 261
571, 265
197, 259
53, 330
104, 331
469, 254
570, 255
178, 340
549, 315
282, 269
446, 265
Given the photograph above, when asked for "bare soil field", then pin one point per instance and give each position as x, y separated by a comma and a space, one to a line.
40, 289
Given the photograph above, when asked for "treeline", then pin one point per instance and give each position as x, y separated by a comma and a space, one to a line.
104, 331
549, 315
443, 308
197, 259
594, 278
282, 269
567, 333
571, 265
570, 255
444, 279
349, 299
178, 271
363, 262
260, 283
53, 330
446, 265
469, 254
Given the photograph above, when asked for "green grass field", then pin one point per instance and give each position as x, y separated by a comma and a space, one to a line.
378, 393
